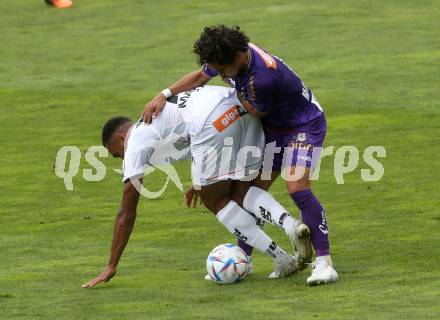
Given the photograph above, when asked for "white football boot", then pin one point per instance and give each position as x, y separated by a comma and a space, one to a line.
287, 267
322, 272
300, 238
250, 271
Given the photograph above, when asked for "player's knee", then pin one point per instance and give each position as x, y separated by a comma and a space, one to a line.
239, 196
220, 204
239, 190
215, 204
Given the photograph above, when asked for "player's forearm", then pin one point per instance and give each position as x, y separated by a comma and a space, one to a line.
121, 234
251, 109
190, 81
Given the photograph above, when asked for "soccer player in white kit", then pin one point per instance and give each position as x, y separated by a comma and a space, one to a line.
210, 124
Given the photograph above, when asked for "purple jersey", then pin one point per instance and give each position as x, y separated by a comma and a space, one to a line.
273, 88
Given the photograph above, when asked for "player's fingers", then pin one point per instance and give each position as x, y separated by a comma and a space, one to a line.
158, 109
147, 117
148, 113
188, 199
144, 114
155, 114
92, 283
196, 196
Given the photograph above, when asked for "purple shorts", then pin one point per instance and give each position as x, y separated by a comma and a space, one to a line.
299, 146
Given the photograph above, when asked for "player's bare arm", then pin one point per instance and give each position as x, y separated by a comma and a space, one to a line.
188, 82
123, 226
251, 109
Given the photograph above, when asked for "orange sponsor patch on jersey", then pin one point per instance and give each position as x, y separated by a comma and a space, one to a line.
267, 58
227, 118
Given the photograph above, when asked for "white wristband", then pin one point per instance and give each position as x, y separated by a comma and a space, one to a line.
167, 93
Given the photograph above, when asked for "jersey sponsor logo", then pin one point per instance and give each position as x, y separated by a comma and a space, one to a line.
227, 118
267, 58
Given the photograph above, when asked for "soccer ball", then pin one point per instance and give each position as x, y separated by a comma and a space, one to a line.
227, 263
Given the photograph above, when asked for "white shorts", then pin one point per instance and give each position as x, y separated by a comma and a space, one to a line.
230, 145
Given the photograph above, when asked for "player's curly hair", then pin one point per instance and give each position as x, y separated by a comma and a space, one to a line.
219, 44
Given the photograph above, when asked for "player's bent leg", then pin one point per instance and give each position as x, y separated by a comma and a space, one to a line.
298, 179
216, 196
263, 183
243, 226
265, 207
238, 192
313, 215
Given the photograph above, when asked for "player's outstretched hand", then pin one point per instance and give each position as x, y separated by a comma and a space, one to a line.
154, 107
105, 276
191, 197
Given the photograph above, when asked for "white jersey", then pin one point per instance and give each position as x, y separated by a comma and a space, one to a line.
167, 138
201, 102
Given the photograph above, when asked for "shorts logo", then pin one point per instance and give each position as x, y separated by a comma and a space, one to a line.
227, 118
301, 137
300, 145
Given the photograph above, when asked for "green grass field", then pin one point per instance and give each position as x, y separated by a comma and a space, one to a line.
373, 65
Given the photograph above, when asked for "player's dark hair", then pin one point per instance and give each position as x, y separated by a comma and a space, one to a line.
219, 44
111, 126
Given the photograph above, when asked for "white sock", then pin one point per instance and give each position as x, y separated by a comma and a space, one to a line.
264, 206
242, 225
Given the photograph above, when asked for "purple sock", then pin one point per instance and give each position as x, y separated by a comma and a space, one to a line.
313, 215
246, 248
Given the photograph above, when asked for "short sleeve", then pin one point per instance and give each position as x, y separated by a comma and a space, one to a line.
134, 164
261, 89
210, 72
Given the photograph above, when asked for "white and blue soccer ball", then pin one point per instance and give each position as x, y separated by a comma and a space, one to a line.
227, 263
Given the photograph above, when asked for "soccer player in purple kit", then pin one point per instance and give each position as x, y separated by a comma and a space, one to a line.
292, 119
